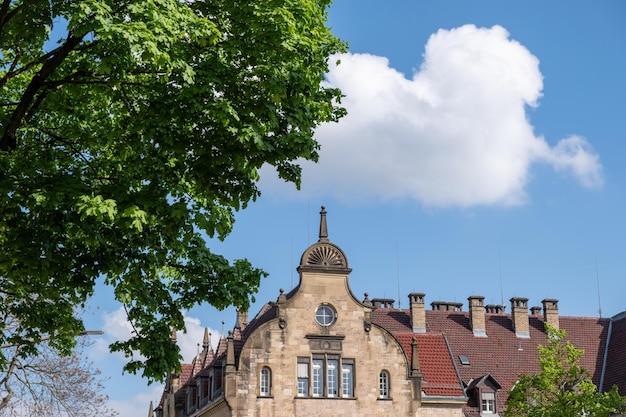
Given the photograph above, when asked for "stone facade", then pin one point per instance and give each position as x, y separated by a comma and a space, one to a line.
319, 351
324, 355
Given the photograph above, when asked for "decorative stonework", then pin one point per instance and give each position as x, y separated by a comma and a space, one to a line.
320, 343
325, 255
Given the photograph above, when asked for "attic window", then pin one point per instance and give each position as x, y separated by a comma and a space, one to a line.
464, 360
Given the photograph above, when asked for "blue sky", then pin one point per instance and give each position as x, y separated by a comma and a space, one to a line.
483, 154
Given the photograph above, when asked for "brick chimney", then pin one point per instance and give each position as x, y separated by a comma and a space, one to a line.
477, 315
519, 313
418, 312
551, 312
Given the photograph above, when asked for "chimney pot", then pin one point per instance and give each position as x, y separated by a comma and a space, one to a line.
477, 315
519, 313
551, 312
418, 312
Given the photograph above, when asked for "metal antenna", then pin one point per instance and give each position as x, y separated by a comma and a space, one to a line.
501, 291
398, 270
598, 282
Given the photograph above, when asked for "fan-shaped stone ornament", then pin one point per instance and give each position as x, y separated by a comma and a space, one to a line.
325, 255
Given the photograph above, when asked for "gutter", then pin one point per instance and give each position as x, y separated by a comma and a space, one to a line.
606, 354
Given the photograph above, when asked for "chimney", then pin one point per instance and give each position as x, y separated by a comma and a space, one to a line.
418, 312
519, 313
382, 302
551, 312
477, 315
535, 311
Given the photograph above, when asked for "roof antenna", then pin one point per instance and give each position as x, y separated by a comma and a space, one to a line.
501, 291
398, 271
598, 282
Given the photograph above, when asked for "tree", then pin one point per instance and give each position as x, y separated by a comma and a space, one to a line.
49, 384
562, 388
129, 132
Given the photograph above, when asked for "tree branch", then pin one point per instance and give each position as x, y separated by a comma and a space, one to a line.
5, 14
9, 138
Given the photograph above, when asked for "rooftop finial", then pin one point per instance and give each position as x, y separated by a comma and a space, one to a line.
205, 341
323, 227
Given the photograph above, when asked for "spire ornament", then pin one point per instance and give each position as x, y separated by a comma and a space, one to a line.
323, 255
323, 226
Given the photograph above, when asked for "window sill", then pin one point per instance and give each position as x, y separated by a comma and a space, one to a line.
384, 399
325, 398
265, 396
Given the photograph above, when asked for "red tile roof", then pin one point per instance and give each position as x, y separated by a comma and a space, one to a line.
439, 376
501, 354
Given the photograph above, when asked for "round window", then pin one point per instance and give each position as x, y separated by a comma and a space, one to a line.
325, 315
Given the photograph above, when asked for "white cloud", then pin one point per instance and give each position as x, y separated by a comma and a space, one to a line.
191, 341
117, 327
456, 134
138, 404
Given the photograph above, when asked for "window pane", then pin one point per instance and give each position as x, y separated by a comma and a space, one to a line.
383, 386
265, 382
318, 374
333, 377
303, 377
347, 383
303, 387
303, 370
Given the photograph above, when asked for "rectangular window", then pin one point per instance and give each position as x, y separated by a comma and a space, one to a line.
332, 374
303, 377
488, 402
318, 377
266, 382
205, 388
218, 379
347, 378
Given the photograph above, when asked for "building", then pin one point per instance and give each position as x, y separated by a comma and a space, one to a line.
319, 350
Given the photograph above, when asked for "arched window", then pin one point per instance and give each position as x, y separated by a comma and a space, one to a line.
265, 383
383, 384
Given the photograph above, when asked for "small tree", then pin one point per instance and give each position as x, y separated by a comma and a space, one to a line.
51, 385
563, 388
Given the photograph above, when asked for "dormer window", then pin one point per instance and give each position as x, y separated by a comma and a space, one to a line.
483, 390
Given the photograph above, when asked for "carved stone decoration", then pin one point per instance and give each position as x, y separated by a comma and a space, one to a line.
321, 343
325, 256
282, 323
